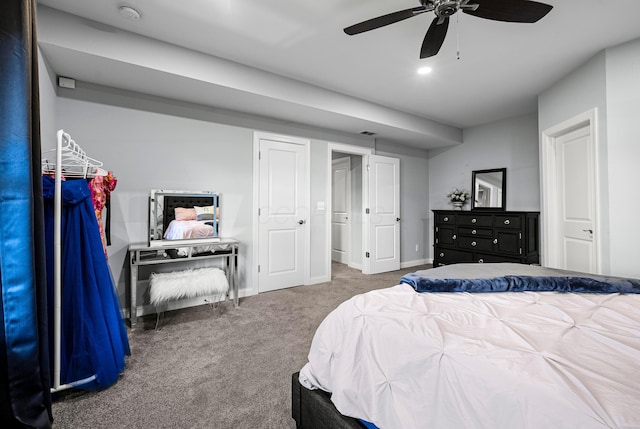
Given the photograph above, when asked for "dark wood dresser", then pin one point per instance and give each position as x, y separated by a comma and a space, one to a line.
486, 236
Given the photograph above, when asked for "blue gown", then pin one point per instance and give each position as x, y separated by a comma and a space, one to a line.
93, 334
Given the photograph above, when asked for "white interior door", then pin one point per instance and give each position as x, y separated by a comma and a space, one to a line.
341, 209
382, 242
576, 205
283, 211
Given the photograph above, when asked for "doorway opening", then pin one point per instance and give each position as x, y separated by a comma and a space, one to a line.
346, 209
345, 206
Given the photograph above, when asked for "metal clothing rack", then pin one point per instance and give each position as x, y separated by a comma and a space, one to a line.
71, 161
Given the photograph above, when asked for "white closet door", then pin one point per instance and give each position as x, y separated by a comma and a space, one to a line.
576, 187
382, 250
283, 214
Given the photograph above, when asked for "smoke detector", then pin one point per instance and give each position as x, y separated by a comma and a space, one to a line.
129, 13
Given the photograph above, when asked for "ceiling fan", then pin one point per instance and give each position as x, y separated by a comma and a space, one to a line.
526, 11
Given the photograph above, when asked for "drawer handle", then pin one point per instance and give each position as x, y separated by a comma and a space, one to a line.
495, 241
507, 221
442, 254
474, 220
446, 219
474, 232
474, 244
481, 261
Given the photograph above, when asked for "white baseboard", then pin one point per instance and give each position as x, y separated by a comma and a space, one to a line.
355, 266
415, 263
319, 279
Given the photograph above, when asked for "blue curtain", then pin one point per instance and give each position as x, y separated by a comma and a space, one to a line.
24, 372
94, 337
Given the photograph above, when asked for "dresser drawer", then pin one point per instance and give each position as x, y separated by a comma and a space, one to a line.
446, 235
448, 255
507, 221
508, 242
475, 243
480, 232
445, 219
475, 220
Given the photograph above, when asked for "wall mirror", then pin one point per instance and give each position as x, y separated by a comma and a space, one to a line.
489, 189
183, 215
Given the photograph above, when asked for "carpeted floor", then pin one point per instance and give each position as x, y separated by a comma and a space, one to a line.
224, 371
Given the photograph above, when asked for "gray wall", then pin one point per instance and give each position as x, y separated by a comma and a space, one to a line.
511, 143
48, 99
623, 146
148, 150
623, 143
578, 92
319, 218
150, 143
414, 201
609, 82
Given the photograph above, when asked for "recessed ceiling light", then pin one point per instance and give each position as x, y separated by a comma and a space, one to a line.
129, 13
425, 70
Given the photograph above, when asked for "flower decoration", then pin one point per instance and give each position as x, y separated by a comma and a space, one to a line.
458, 195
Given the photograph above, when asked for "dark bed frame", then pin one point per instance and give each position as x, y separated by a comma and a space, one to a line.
313, 409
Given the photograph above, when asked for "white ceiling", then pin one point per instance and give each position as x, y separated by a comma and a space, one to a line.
501, 70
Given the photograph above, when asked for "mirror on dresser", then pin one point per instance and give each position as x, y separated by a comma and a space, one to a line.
489, 189
183, 215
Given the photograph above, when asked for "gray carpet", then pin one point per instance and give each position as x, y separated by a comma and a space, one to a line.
229, 369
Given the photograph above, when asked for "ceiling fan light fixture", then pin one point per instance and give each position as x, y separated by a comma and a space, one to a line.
129, 13
425, 70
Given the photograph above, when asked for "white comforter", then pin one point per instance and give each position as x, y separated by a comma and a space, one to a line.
537, 360
186, 229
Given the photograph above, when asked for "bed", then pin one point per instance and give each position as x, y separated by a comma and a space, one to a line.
187, 217
478, 346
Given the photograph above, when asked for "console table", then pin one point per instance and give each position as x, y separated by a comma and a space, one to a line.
141, 254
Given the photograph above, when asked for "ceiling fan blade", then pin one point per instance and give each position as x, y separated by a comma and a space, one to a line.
435, 37
381, 21
510, 10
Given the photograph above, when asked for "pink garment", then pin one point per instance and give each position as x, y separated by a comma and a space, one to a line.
101, 188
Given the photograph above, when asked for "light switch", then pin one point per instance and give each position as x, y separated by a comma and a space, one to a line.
320, 205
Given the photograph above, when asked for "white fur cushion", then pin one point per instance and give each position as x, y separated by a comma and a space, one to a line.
187, 284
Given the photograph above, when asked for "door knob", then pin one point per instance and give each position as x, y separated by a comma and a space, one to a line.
302, 221
397, 219
590, 231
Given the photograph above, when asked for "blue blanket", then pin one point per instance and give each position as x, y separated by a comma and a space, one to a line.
511, 283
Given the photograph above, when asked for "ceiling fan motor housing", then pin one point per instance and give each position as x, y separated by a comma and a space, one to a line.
446, 8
